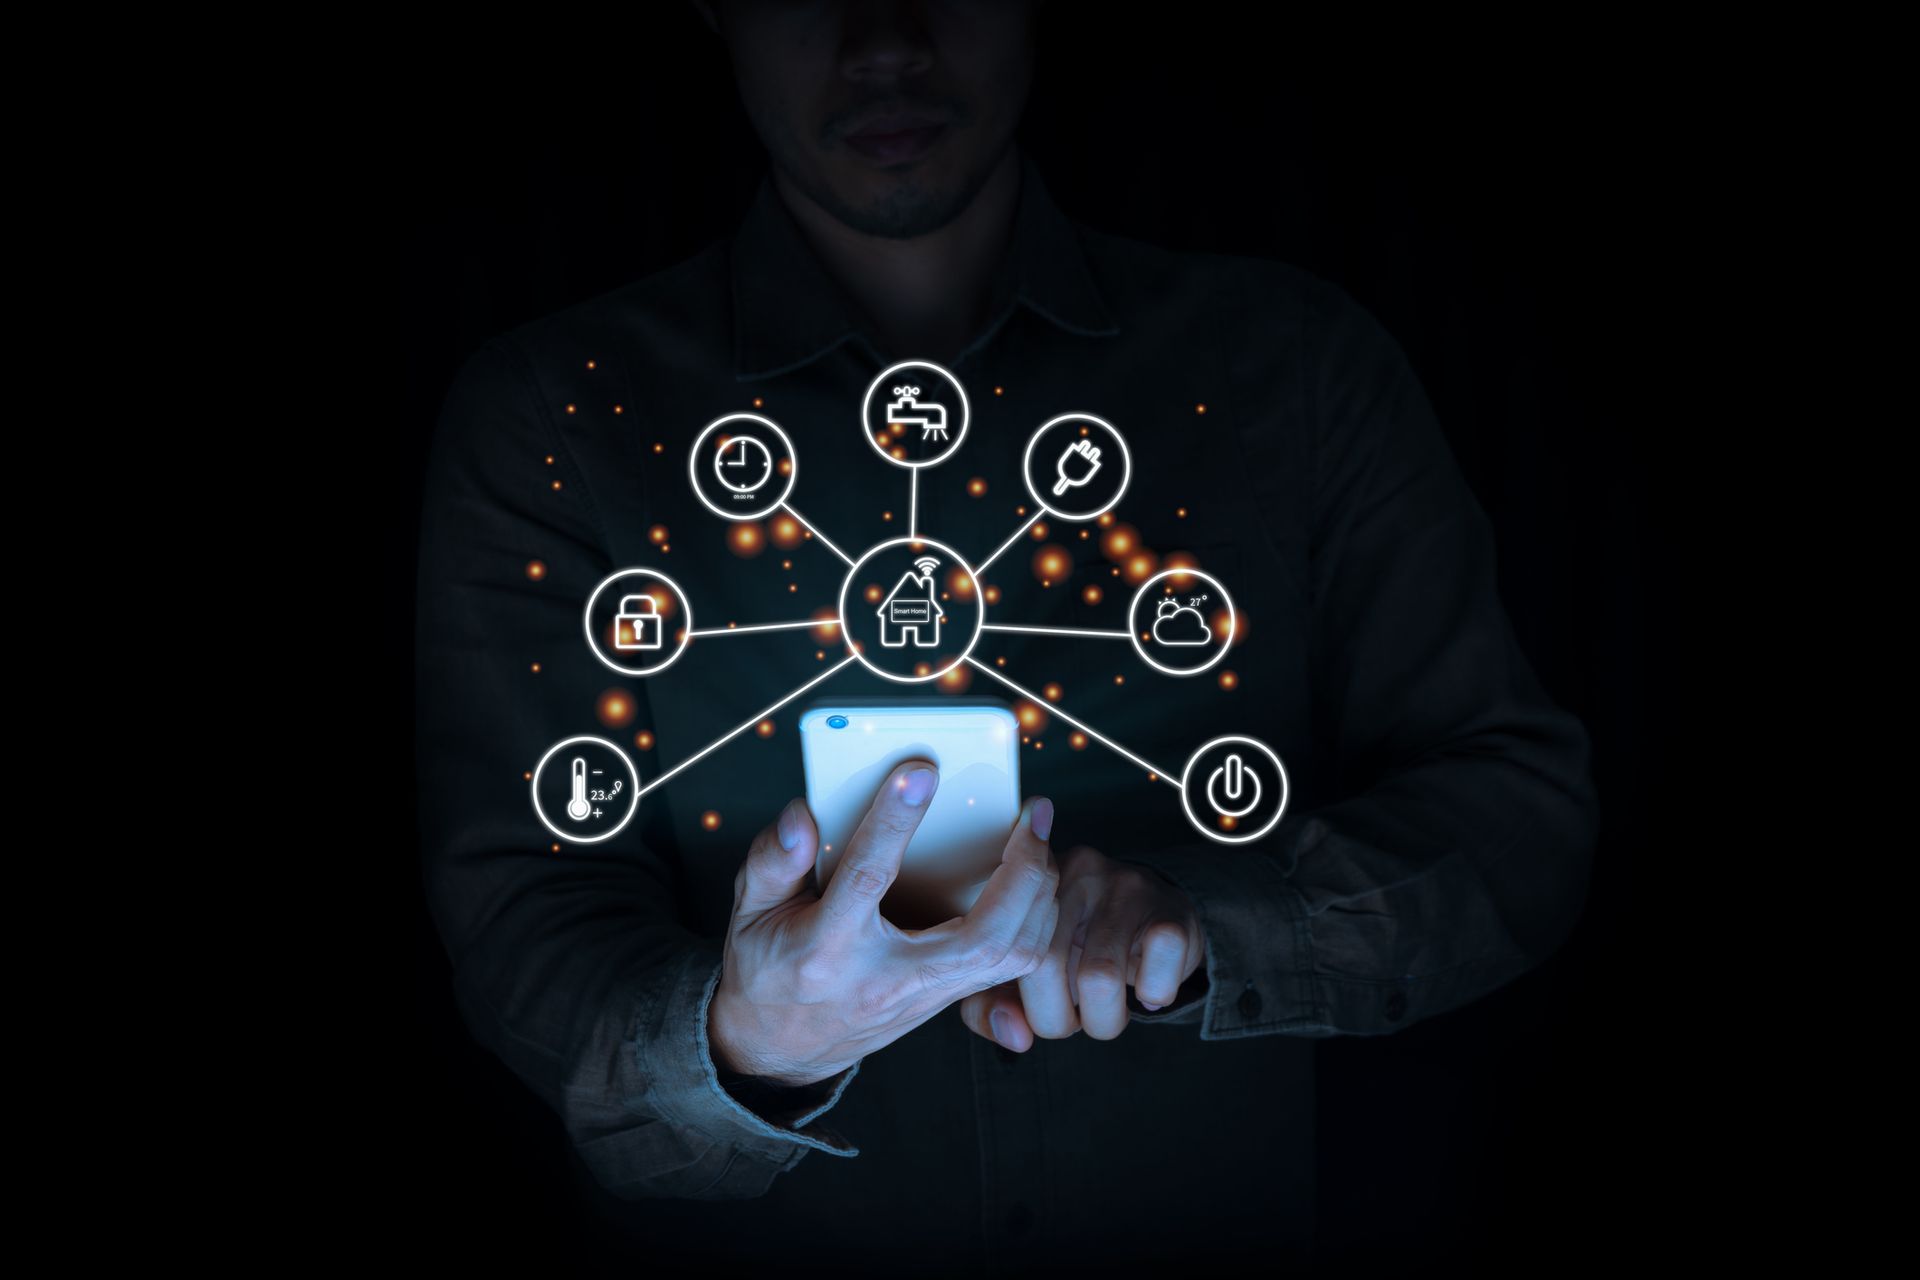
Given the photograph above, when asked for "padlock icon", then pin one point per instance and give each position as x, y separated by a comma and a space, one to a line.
638, 624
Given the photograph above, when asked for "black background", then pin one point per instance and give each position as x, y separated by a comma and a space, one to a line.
1486, 207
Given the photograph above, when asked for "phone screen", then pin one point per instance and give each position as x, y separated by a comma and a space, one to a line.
848, 751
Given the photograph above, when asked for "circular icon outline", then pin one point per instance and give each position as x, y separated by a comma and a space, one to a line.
1133, 629
866, 413
633, 775
593, 643
1026, 466
1206, 829
979, 613
693, 466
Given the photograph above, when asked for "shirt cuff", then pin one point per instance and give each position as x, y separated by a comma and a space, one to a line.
684, 1084
1259, 968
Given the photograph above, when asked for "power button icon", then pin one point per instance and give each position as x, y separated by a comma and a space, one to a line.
1233, 779
1234, 789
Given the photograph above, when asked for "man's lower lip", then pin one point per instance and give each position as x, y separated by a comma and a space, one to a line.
896, 148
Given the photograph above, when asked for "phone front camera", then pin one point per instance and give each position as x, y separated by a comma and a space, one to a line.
836, 722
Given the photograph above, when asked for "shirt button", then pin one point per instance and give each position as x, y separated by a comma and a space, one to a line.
1250, 1003
1019, 1220
1396, 1006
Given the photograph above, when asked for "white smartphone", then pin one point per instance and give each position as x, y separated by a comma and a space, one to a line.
849, 748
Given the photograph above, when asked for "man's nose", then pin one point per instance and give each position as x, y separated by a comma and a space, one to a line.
884, 40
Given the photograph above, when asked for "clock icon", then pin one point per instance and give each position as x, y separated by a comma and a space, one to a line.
743, 464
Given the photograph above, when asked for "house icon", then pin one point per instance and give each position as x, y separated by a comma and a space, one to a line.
911, 610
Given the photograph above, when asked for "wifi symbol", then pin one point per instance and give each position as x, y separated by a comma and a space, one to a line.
926, 565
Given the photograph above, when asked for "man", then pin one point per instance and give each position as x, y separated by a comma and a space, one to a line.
752, 1071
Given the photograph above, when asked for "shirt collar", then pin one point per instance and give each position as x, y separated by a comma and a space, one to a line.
788, 311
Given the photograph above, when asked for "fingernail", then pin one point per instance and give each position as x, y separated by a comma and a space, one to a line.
1155, 1008
1001, 1030
788, 826
1043, 817
917, 787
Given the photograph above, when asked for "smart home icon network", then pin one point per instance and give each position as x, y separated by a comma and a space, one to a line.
911, 609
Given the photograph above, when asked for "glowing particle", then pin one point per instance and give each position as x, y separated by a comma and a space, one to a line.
886, 515
529, 775
536, 668
992, 595
999, 391
785, 532
569, 408
658, 533
1228, 680
1077, 740
536, 569
658, 447
747, 539
615, 709
764, 728
1039, 531
757, 402
589, 364
549, 459
644, 739
556, 484
1051, 563
1106, 518
1050, 691
977, 487
1199, 408
873, 594
710, 820
1182, 513
1119, 679
1093, 594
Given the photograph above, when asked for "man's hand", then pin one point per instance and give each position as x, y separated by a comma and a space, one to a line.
810, 984
1120, 925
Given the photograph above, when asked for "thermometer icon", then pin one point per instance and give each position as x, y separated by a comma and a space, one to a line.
578, 808
1237, 777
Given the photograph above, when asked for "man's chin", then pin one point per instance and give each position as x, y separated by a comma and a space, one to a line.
897, 204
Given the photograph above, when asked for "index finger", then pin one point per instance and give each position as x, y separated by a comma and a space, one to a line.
875, 850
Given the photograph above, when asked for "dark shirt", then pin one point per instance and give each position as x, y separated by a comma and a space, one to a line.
1436, 842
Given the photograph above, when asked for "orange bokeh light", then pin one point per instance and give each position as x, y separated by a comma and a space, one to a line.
536, 570
710, 820
785, 532
747, 539
1093, 594
1119, 542
615, 708
1051, 563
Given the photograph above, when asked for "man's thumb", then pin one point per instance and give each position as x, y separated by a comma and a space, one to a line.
779, 860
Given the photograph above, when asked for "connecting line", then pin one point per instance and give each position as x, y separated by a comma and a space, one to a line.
1081, 725
982, 566
743, 726
913, 503
1046, 631
769, 626
825, 541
